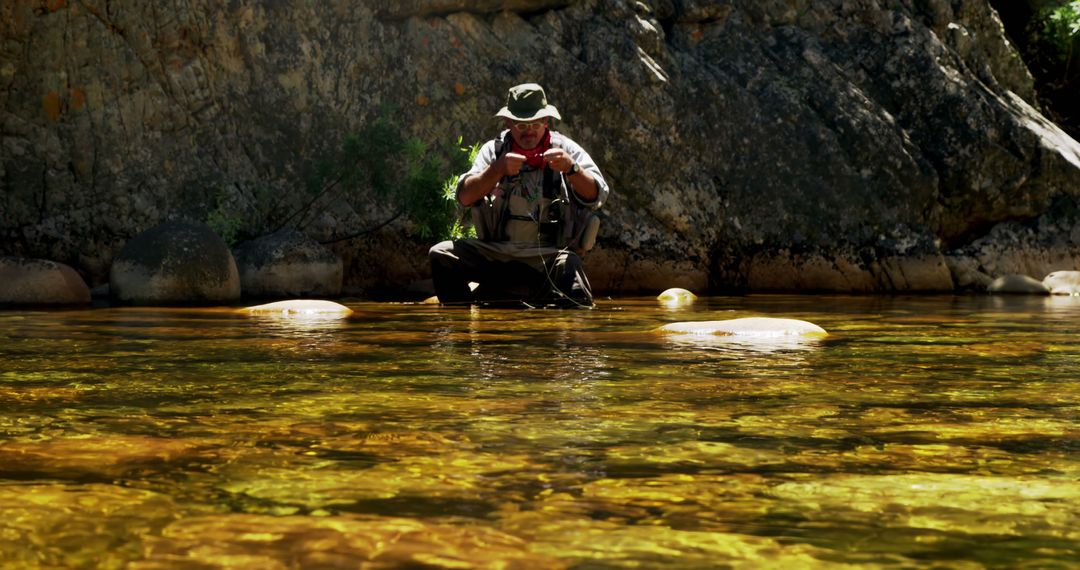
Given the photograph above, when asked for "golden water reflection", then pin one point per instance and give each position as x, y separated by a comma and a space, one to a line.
923, 432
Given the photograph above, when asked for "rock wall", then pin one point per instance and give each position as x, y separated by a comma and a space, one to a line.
842, 145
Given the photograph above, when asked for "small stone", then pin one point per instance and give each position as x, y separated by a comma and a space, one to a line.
676, 296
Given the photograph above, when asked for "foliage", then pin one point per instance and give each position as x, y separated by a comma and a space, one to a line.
225, 224
238, 215
1060, 26
449, 194
379, 163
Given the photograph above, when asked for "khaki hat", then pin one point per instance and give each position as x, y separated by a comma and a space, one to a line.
527, 102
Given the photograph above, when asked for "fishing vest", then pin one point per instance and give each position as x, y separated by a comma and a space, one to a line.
535, 208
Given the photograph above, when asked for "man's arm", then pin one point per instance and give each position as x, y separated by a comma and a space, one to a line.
582, 181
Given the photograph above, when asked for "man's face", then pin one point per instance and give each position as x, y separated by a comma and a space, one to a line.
527, 134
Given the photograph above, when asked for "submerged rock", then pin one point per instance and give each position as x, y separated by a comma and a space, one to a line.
287, 263
764, 327
40, 282
174, 263
262, 541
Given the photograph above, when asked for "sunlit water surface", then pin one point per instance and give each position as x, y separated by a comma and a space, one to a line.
923, 432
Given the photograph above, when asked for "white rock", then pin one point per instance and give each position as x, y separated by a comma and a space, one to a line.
753, 327
1063, 282
301, 308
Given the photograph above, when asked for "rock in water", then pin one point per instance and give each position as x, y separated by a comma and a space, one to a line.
302, 308
676, 296
288, 263
1021, 284
759, 327
175, 263
40, 282
1063, 283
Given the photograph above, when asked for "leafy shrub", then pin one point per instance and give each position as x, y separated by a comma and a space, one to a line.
376, 163
379, 162
1060, 26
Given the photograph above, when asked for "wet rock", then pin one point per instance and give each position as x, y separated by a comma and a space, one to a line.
1021, 284
40, 282
287, 263
173, 263
56, 525
764, 327
100, 457
1063, 283
676, 296
301, 308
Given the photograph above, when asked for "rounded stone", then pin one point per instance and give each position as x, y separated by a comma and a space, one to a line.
40, 282
1063, 283
301, 308
1018, 284
676, 296
747, 327
176, 262
288, 263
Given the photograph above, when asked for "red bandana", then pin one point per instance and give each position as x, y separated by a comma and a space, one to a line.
534, 157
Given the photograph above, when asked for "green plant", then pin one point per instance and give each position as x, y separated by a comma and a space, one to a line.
1060, 26
458, 228
224, 219
380, 163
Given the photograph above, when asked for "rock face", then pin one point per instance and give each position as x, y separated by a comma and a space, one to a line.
837, 145
287, 263
40, 282
175, 262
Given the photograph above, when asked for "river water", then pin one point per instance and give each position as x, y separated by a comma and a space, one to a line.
923, 432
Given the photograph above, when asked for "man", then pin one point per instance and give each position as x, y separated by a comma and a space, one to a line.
533, 193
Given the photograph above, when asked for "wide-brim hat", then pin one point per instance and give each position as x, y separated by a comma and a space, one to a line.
527, 102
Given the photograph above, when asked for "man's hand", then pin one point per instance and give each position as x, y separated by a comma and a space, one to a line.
510, 163
479, 185
558, 159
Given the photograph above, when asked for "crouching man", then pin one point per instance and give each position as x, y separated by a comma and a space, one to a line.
533, 195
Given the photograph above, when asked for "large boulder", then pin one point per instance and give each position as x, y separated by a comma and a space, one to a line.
40, 282
178, 262
287, 263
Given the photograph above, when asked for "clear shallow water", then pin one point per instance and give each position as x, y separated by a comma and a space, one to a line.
924, 432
